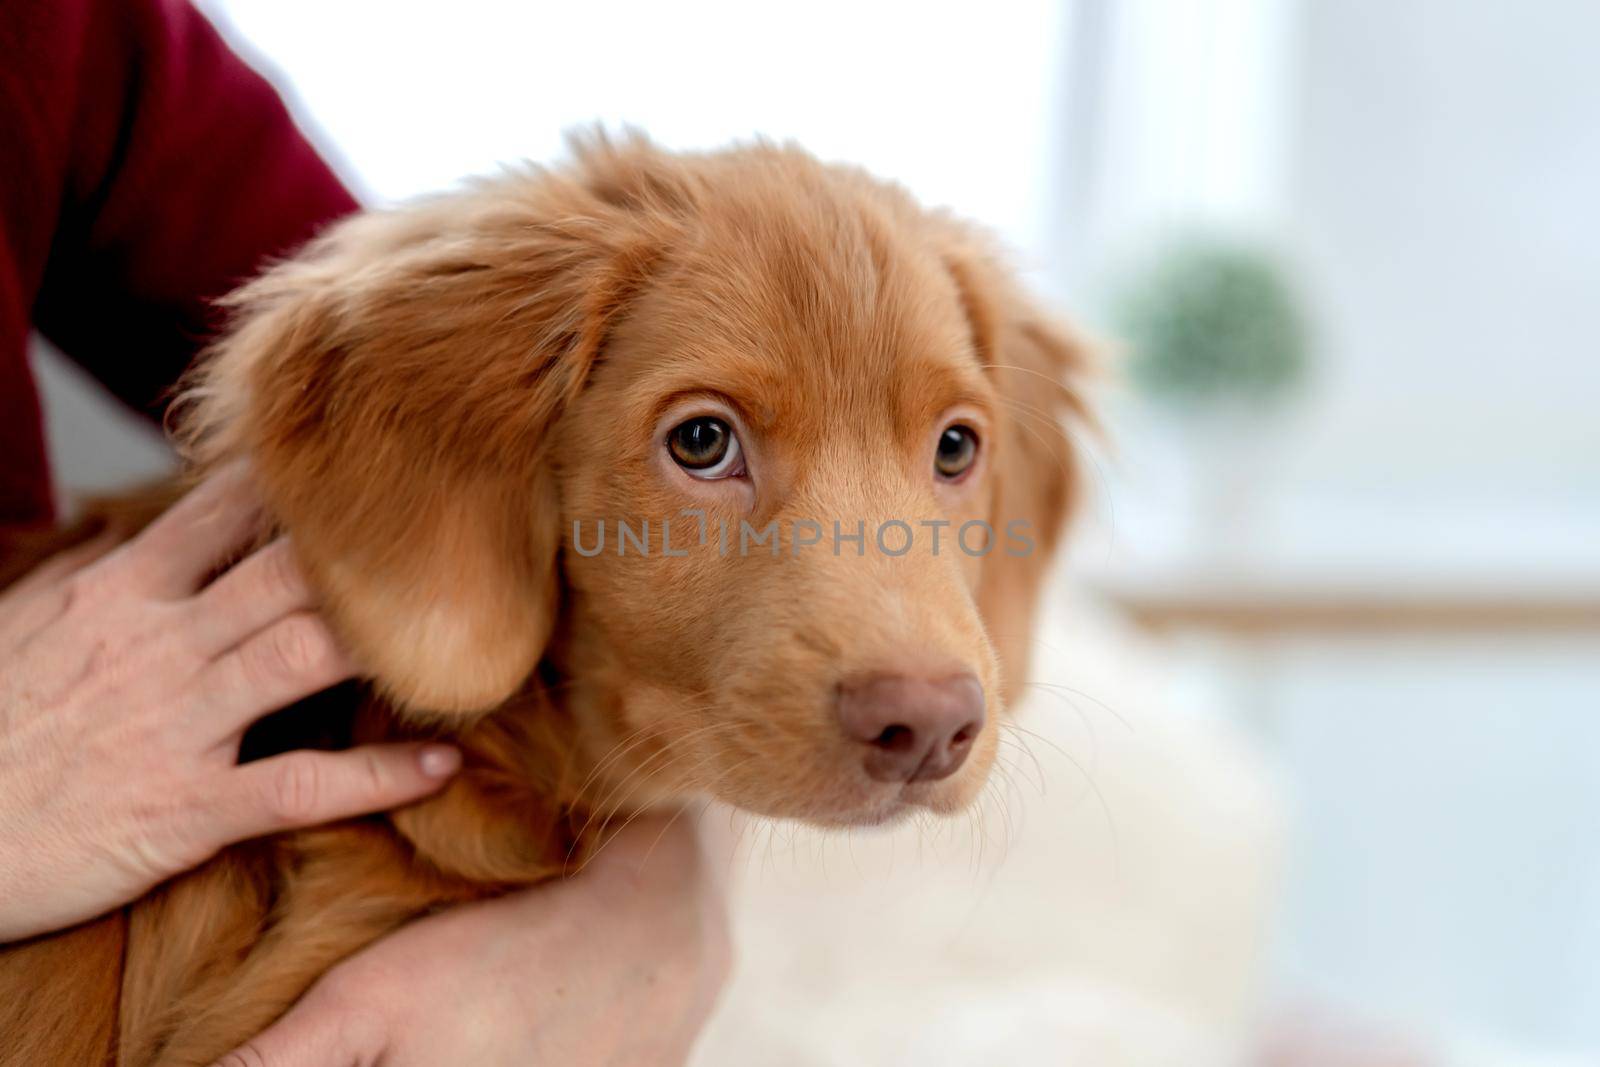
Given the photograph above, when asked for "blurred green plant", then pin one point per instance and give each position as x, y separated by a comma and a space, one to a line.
1212, 321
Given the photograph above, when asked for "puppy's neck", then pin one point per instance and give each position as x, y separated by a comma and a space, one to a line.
543, 780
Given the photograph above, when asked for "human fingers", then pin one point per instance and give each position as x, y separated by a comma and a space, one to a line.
285, 662
174, 554
308, 788
256, 592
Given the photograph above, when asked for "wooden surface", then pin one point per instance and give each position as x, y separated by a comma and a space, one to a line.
1260, 607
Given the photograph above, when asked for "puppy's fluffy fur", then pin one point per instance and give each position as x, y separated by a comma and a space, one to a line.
432, 397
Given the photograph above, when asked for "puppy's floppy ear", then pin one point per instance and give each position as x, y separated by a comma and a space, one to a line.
1038, 366
393, 386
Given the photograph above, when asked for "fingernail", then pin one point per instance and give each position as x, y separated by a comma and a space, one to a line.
439, 761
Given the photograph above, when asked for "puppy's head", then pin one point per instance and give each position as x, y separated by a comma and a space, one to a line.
763, 459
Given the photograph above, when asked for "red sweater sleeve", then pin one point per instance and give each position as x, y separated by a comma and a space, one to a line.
147, 171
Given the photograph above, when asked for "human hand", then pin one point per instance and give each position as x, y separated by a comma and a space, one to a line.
124, 690
618, 965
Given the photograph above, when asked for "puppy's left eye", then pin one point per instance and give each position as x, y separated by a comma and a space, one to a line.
706, 447
958, 447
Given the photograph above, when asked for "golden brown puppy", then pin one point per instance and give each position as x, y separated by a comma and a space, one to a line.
628, 476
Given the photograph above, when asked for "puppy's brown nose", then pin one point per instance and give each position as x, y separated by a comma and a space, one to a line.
914, 729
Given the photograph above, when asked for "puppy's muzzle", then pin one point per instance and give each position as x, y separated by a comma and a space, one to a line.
912, 729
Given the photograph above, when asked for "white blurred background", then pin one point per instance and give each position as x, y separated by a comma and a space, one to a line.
1393, 584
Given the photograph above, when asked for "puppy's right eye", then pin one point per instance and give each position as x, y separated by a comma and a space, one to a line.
706, 447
